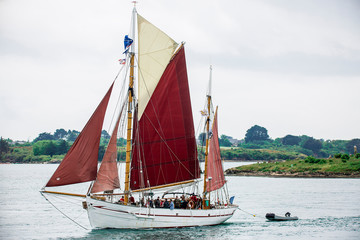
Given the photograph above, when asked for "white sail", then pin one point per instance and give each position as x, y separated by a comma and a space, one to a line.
155, 51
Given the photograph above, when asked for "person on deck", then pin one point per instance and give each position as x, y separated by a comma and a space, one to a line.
131, 200
199, 203
184, 203
151, 203
157, 202
171, 205
177, 202
166, 203
121, 200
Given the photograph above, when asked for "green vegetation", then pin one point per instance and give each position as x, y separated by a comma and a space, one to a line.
259, 154
309, 165
257, 145
24, 154
256, 133
225, 141
49, 147
257, 138
291, 140
4, 146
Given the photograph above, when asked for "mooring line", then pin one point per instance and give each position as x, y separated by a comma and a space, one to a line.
247, 212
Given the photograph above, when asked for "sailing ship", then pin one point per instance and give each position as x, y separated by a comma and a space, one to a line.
162, 174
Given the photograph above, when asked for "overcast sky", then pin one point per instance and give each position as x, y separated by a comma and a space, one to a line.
292, 67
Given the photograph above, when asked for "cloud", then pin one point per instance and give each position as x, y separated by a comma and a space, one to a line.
59, 57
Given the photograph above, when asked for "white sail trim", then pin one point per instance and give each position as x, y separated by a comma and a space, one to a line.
155, 51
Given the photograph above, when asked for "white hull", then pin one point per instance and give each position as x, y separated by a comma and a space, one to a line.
109, 215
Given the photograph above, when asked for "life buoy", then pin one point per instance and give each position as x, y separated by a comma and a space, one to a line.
191, 204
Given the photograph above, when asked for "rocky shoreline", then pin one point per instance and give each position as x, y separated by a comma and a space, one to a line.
235, 172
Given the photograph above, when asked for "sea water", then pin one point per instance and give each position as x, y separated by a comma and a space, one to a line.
327, 209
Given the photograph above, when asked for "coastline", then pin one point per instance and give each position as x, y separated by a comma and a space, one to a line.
243, 160
234, 172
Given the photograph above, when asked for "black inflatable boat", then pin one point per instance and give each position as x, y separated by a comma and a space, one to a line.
274, 217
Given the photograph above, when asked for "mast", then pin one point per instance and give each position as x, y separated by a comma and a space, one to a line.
130, 117
208, 95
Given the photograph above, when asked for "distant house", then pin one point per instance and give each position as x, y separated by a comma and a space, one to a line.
17, 142
233, 141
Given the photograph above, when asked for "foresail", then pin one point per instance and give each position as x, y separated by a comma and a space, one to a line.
80, 163
214, 169
164, 148
155, 51
108, 176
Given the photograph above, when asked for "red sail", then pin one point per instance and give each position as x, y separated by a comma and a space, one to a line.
164, 147
214, 166
108, 175
80, 163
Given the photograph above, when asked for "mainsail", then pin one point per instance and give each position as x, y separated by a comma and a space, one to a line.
165, 135
214, 166
80, 163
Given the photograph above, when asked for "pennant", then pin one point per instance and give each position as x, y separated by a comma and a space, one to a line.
127, 43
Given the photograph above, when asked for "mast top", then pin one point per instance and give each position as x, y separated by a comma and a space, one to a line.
134, 2
133, 23
208, 94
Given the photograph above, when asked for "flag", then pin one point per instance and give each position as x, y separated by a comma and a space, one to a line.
127, 43
203, 113
122, 61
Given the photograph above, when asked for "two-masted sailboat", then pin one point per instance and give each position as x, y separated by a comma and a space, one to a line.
162, 174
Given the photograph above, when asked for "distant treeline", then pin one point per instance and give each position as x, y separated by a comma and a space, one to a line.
287, 147
50, 147
257, 145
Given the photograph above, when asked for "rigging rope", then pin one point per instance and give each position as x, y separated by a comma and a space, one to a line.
63, 213
121, 93
159, 131
66, 199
